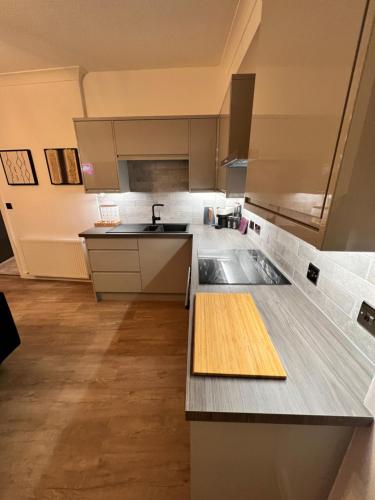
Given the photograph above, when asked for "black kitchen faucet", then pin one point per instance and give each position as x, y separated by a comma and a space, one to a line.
154, 218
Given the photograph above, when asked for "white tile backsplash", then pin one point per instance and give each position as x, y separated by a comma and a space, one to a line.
178, 206
345, 280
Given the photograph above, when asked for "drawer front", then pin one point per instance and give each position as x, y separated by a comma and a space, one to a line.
114, 260
117, 282
112, 243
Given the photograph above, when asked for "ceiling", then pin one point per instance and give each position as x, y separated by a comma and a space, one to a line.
102, 35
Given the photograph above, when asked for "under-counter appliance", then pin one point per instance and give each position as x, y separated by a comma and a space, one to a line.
238, 267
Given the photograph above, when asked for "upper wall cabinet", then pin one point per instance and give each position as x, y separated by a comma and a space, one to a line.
106, 147
97, 155
202, 154
312, 103
156, 138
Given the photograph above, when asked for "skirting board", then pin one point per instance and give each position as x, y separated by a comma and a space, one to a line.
140, 296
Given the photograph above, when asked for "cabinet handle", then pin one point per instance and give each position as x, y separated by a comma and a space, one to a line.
187, 294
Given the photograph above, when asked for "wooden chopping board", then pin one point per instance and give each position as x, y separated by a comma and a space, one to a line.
230, 338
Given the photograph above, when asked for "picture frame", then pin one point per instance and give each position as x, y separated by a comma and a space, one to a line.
63, 166
18, 166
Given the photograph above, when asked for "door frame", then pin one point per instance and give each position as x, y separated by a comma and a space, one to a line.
16, 252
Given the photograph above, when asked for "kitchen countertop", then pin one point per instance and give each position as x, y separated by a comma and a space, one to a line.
101, 232
327, 376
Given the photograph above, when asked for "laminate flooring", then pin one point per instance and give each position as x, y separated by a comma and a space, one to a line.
92, 402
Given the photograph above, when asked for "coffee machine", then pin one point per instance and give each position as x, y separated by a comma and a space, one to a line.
222, 215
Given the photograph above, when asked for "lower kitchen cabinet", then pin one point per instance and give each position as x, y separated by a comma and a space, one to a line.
164, 264
112, 243
114, 260
154, 265
116, 282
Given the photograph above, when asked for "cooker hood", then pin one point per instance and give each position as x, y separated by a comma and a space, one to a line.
236, 163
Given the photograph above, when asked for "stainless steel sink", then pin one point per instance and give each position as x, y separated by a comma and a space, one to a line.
149, 228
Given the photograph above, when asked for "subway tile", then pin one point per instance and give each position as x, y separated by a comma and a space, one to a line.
311, 290
288, 241
301, 265
307, 251
371, 273
356, 262
361, 338
359, 287
339, 295
335, 313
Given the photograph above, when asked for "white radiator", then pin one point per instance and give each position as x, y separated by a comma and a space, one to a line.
60, 258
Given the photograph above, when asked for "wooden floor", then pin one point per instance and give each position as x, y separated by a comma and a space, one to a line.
92, 403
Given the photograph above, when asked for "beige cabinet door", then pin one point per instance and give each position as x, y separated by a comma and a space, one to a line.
222, 178
97, 155
299, 104
152, 137
164, 264
202, 158
224, 125
114, 260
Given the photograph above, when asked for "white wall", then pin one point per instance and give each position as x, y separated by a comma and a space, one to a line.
36, 113
244, 28
175, 91
37, 108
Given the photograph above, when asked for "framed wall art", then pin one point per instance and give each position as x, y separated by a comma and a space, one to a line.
19, 167
63, 166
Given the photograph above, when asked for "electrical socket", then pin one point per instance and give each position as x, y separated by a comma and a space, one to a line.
366, 317
251, 225
313, 273
257, 228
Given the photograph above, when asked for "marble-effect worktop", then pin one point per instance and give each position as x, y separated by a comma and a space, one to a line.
327, 376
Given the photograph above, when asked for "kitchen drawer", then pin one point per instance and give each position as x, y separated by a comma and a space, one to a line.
112, 243
114, 260
117, 282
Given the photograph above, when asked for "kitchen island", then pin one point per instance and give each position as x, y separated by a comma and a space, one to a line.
274, 439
